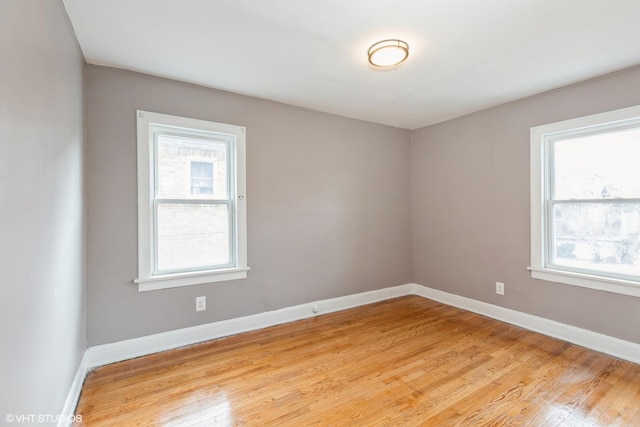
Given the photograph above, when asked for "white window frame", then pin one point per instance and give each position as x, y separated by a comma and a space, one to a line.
541, 138
146, 280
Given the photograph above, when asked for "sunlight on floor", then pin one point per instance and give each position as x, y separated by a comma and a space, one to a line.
201, 409
563, 415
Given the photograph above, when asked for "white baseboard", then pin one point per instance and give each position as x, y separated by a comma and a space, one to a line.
70, 403
128, 349
122, 350
603, 343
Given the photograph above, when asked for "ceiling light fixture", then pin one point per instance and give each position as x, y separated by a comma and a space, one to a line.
388, 53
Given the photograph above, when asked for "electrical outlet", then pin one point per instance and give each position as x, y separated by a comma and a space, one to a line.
201, 303
499, 288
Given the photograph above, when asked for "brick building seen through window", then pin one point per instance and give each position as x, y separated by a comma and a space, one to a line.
191, 235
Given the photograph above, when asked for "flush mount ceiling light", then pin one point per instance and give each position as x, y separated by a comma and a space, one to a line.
388, 53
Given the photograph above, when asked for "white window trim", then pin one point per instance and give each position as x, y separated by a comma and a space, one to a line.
146, 281
538, 173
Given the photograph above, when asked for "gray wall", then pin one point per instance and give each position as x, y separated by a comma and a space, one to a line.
470, 212
42, 325
328, 206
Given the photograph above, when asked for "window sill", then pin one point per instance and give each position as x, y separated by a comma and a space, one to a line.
168, 281
618, 286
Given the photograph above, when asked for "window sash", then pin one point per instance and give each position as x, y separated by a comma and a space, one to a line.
230, 231
229, 141
550, 223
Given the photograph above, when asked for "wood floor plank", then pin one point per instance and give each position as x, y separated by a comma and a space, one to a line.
407, 361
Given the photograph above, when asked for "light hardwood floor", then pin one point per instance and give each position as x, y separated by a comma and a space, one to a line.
407, 361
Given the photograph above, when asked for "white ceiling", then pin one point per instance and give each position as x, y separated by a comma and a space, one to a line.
465, 55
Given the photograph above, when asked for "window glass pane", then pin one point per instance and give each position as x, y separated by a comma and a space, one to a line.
191, 168
601, 166
192, 235
597, 236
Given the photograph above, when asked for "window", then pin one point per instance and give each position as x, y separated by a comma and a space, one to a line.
585, 201
191, 202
